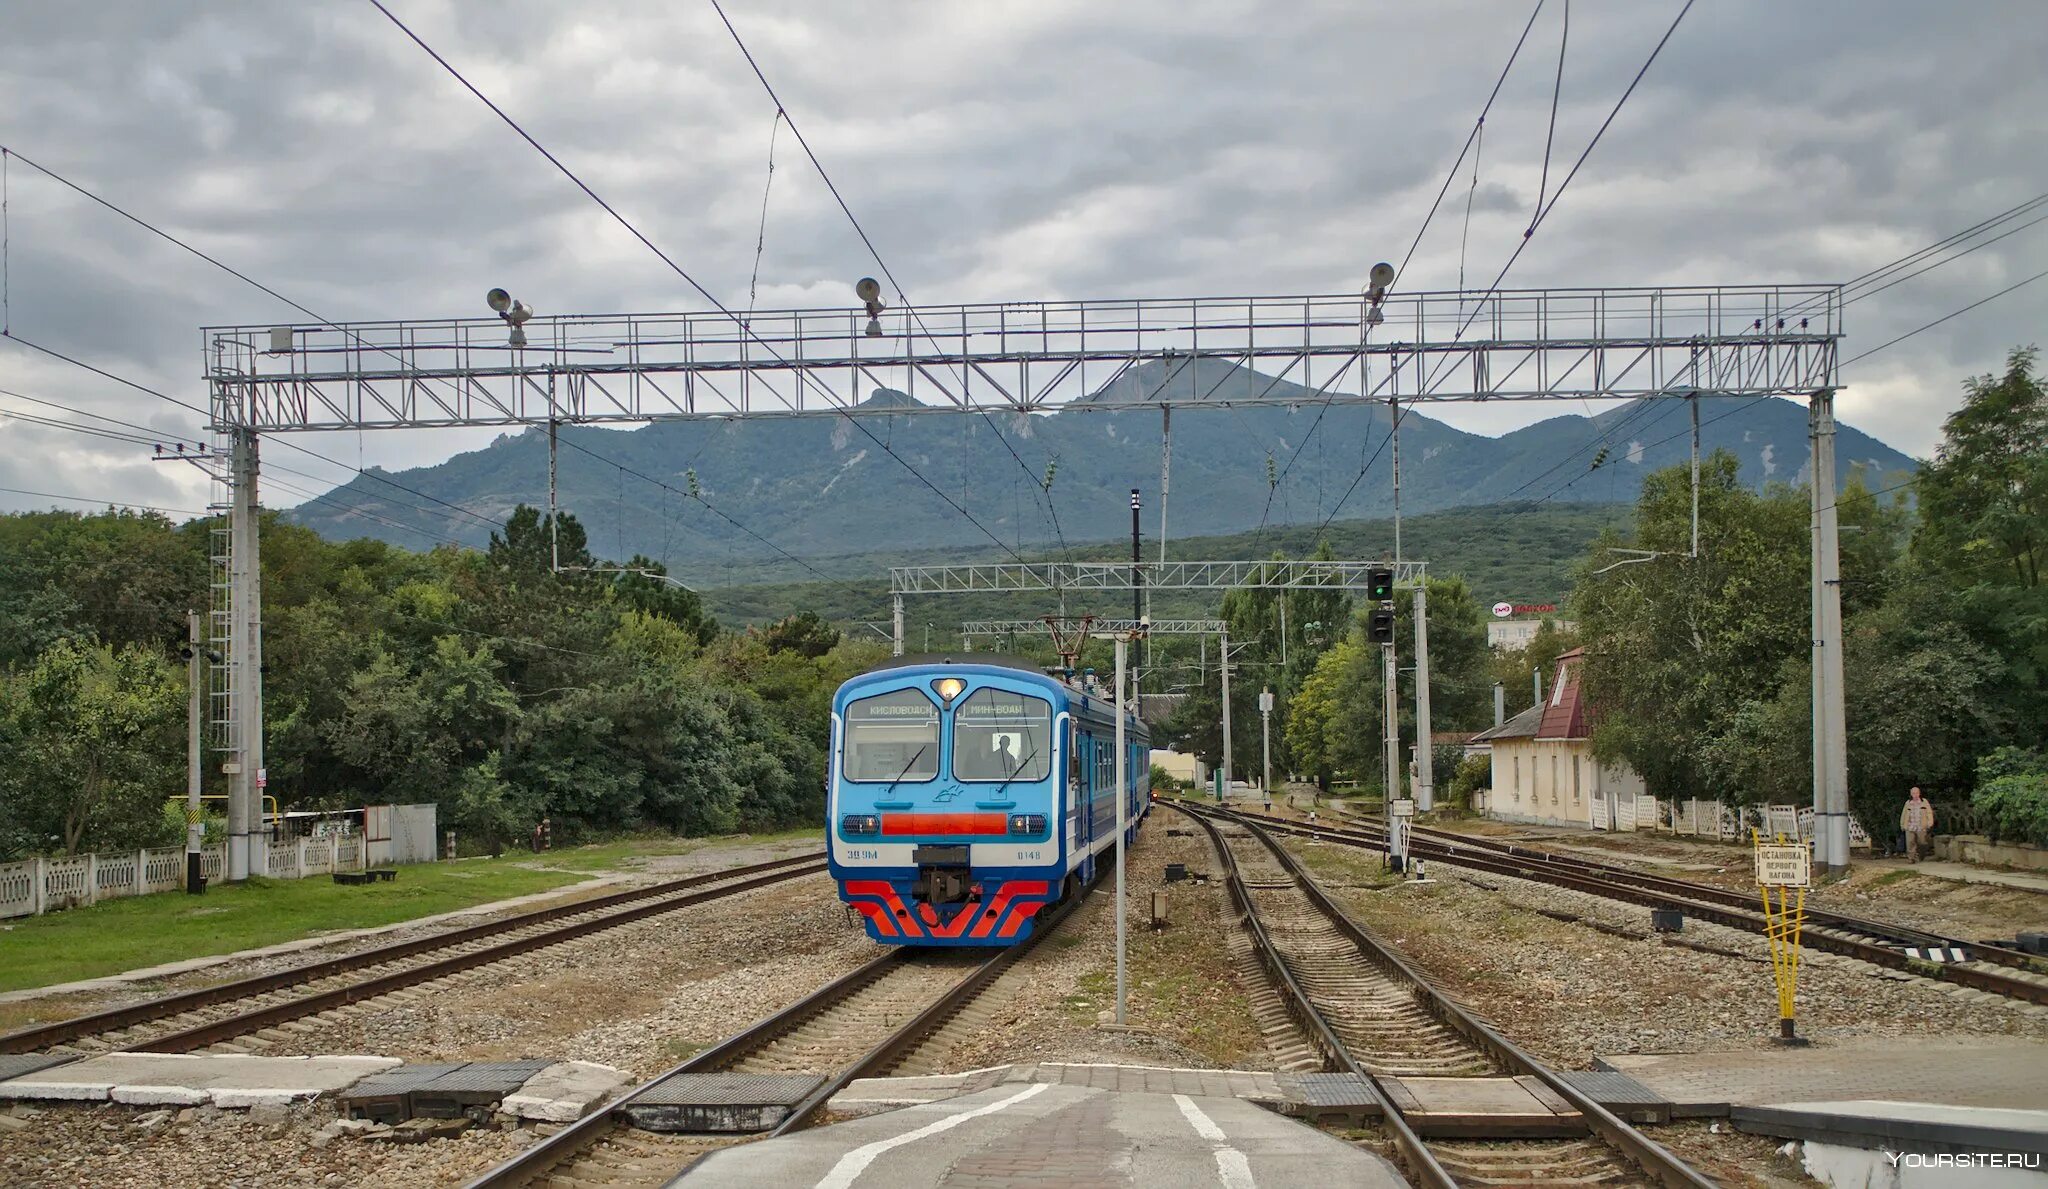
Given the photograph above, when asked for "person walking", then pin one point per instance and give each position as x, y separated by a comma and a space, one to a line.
1917, 821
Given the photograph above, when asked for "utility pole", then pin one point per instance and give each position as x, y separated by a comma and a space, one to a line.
896, 618
1394, 437
1165, 472
1225, 661
1266, 740
1396, 843
1425, 763
195, 754
1694, 401
1123, 796
1137, 580
245, 602
554, 520
1830, 731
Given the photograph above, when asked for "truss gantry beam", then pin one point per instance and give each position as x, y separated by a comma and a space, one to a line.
1055, 576
1099, 627
1031, 357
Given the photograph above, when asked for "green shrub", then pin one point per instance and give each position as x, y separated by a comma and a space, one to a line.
1473, 773
2015, 807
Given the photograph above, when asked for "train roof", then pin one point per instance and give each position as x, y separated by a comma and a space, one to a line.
1093, 700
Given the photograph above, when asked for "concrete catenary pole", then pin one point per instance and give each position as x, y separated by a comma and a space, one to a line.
1123, 796
1266, 742
1830, 730
245, 601
1425, 764
1396, 848
1500, 703
195, 750
896, 617
1225, 661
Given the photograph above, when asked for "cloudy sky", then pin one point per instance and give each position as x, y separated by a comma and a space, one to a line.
995, 151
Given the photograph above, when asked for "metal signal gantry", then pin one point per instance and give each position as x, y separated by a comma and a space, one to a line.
1027, 357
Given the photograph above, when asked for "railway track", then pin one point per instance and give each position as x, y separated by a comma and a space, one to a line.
196, 1020
866, 1023
1369, 1013
1999, 970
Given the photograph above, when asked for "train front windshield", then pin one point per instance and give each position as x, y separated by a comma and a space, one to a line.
892, 736
1002, 736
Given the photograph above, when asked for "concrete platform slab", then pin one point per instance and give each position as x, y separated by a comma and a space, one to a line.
1902, 1126
565, 1091
2009, 1072
726, 1101
187, 1079
1483, 1108
1046, 1132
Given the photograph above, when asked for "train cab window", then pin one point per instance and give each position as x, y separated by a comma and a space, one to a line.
892, 736
999, 735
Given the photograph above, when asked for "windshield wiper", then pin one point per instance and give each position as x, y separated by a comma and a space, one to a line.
1021, 765
906, 770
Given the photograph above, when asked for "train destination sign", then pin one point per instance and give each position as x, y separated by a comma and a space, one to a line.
1783, 865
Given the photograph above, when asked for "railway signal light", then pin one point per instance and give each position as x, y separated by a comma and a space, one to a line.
1380, 625
1379, 584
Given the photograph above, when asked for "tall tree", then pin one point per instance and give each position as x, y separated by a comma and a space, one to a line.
94, 734
1677, 645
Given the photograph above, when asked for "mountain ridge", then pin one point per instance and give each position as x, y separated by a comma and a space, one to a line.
818, 486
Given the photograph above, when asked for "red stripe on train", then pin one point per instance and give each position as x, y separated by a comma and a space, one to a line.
977, 824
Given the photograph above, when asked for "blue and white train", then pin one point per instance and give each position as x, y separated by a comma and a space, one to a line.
966, 797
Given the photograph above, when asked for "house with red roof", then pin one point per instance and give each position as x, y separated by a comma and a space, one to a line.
1544, 770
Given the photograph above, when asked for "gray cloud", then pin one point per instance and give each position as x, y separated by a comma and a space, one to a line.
993, 151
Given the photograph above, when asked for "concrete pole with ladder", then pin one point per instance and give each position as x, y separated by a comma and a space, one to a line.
195, 751
1830, 729
1123, 796
245, 603
1425, 763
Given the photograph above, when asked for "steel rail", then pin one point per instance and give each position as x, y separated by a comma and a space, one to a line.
542, 1158
1699, 900
1652, 1158
1427, 1169
28, 1040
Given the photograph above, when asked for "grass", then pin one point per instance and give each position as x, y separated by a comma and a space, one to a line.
139, 931
1891, 877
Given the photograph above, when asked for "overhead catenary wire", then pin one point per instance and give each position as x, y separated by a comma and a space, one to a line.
1852, 359
745, 330
1473, 140
1556, 92
803, 142
1543, 212
83, 499
1864, 285
251, 281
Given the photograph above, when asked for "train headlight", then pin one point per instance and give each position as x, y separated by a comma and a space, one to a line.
1027, 823
860, 823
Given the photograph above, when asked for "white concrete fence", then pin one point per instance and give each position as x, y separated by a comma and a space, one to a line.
1713, 819
36, 886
